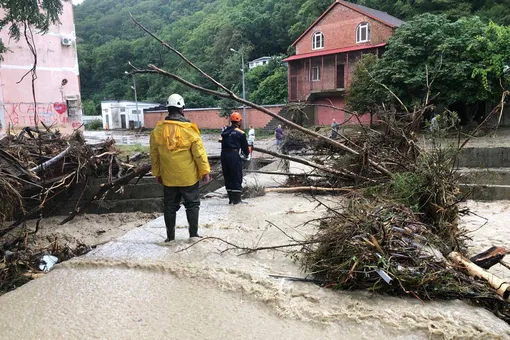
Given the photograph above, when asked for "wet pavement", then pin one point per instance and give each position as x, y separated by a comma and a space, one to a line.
137, 287
123, 137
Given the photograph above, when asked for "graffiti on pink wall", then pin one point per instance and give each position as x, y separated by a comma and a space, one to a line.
22, 114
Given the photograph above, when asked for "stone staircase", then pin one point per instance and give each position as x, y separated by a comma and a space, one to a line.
272, 125
485, 173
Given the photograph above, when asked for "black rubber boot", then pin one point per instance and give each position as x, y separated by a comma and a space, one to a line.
236, 198
229, 197
170, 227
192, 215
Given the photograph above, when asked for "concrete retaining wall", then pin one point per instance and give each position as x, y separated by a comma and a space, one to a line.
497, 157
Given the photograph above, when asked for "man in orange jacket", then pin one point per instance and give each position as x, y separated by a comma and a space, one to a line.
233, 141
179, 161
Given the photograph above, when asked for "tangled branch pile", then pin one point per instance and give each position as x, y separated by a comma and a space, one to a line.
370, 242
39, 170
395, 233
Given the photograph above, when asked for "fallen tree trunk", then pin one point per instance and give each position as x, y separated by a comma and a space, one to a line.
342, 172
283, 173
501, 287
307, 188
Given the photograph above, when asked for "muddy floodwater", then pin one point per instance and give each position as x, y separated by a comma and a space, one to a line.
137, 287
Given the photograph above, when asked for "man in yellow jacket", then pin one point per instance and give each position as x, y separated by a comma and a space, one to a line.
179, 161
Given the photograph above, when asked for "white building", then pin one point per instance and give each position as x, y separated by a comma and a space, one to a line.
122, 114
258, 62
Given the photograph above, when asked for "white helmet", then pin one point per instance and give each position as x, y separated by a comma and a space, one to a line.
175, 100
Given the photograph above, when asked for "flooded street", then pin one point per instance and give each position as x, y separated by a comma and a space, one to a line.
142, 288
123, 137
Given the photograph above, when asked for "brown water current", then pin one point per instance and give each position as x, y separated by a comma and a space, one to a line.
137, 287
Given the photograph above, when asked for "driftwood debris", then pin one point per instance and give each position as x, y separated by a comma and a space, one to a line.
40, 169
490, 257
290, 174
337, 172
499, 285
311, 189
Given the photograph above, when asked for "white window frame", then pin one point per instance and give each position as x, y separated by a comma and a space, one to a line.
364, 26
317, 40
316, 73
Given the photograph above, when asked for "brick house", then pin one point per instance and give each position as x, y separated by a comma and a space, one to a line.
327, 51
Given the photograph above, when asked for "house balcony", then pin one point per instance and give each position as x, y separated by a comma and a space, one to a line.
326, 93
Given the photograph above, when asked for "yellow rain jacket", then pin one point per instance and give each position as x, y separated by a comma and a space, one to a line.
177, 153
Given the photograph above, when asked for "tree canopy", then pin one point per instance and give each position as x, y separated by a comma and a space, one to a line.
462, 61
20, 14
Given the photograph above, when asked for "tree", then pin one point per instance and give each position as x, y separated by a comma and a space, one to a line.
19, 15
273, 89
493, 51
459, 64
365, 94
90, 108
434, 47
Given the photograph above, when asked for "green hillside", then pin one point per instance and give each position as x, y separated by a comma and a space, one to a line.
205, 30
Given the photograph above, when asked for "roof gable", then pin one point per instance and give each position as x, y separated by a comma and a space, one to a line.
380, 16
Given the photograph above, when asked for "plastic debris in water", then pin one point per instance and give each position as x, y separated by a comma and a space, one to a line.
47, 262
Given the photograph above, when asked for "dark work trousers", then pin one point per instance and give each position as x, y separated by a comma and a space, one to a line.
172, 203
232, 167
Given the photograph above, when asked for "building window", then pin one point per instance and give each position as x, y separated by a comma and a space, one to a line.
318, 40
363, 32
316, 73
72, 108
122, 109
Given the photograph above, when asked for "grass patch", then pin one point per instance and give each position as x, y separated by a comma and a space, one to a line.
133, 148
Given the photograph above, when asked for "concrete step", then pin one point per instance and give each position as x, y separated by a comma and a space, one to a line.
489, 176
477, 157
488, 192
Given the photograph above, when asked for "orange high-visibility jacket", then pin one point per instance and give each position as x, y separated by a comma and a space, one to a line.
177, 153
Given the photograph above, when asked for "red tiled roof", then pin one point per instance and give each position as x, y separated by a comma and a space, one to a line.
335, 51
382, 17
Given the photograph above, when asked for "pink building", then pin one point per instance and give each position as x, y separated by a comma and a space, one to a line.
57, 85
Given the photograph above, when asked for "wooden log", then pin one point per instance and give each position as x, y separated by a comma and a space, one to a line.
500, 286
284, 173
307, 188
136, 156
490, 257
341, 172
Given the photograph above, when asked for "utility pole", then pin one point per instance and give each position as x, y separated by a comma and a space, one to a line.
244, 87
136, 99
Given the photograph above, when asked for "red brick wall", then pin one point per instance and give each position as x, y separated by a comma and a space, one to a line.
339, 29
325, 114
210, 119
